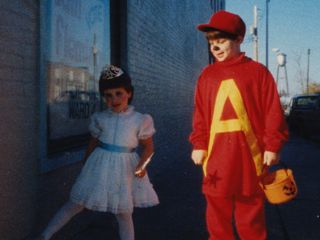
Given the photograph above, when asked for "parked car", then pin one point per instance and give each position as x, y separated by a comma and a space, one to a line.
303, 114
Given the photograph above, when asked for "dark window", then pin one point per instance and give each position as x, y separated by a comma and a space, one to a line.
306, 102
75, 45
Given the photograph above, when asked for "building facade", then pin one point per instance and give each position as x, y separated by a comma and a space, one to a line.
52, 53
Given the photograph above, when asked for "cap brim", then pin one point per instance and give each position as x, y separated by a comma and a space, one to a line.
205, 28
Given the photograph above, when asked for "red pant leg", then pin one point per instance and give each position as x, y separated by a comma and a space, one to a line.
219, 218
250, 218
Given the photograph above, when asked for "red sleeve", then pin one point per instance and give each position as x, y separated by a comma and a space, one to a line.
199, 136
275, 127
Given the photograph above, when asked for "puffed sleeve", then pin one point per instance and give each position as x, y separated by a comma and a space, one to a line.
94, 127
147, 128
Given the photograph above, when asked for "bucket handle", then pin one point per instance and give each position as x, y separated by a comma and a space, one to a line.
280, 164
265, 170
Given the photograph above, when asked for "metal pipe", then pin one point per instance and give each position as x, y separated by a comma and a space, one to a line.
255, 33
308, 70
267, 33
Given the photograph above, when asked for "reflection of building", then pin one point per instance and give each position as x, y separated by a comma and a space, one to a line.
63, 78
71, 100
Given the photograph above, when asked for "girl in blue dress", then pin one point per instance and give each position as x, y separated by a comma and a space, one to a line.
114, 177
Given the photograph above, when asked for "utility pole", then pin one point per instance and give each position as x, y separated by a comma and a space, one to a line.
308, 70
254, 32
267, 33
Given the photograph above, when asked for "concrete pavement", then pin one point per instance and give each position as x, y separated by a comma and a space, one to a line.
300, 218
180, 216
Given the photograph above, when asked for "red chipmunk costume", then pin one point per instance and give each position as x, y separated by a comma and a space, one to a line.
237, 117
238, 121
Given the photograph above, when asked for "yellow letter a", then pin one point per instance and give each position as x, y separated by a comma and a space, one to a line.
229, 89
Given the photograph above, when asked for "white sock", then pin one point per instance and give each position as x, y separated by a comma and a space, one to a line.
62, 217
126, 228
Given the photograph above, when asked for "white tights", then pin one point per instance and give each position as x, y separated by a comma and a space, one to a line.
70, 209
61, 218
126, 229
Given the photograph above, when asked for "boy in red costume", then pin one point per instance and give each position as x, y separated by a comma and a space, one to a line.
238, 126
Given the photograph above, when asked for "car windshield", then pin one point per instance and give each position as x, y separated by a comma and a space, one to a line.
306, 102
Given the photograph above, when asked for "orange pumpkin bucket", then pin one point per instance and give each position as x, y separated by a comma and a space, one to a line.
279, 186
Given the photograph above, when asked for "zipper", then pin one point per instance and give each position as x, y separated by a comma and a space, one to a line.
115, 130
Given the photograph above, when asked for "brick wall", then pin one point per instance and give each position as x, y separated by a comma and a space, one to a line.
18, 128
165, 56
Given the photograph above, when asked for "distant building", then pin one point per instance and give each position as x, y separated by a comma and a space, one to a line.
48, 86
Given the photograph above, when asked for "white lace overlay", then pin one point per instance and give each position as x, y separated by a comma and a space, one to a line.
107, 181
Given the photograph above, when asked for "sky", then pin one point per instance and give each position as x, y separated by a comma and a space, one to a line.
293, 29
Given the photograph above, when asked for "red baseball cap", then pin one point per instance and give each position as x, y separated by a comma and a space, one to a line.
225, 21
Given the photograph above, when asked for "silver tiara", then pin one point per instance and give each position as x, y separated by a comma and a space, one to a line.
110, 71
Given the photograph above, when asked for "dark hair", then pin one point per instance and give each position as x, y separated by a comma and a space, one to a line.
214, 34
122, 81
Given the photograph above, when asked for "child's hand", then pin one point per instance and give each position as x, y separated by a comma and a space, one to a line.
140, 173
198, 156
270, 158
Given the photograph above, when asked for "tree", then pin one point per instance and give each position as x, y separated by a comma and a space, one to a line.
313, 88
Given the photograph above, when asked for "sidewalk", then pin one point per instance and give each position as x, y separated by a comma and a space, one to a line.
180, 216
299, 219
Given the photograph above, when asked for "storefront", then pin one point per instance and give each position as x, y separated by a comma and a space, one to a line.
75, 40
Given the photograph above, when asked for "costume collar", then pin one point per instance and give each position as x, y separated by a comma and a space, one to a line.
232, 61
128, 111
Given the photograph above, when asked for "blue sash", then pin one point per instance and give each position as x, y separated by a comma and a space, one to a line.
115, 148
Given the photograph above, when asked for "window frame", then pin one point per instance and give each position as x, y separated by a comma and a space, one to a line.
57, 153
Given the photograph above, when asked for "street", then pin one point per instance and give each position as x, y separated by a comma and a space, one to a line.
299, 219
181, 214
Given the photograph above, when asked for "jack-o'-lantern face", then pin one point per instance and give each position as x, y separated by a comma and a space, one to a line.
289, 189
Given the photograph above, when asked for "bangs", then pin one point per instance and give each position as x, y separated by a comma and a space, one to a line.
212, 35
122, 81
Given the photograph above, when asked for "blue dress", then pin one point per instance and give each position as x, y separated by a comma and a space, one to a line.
107, 182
